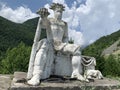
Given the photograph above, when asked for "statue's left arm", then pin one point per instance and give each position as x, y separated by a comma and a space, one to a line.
65, 37
34, 50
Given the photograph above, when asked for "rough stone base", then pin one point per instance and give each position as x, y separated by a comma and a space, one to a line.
56, 84
5, 81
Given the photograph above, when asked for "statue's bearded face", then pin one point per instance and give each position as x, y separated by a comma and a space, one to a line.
58, 13
43, 15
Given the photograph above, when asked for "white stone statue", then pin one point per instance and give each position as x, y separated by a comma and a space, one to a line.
91, 74
43, 54
41, 58
89, 64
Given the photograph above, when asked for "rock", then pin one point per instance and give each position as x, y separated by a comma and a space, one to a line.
5, 81
105, 84
19, 77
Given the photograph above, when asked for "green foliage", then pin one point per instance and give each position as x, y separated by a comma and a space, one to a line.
97, 47
112, 64
100, 63
118, 45
16, 59
11, 34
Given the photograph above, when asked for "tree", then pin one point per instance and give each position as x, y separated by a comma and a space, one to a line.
111, 66
16, 59
100, 64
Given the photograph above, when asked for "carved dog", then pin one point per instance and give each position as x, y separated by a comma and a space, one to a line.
89, 74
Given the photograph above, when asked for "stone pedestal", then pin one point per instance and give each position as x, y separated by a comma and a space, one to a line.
105, 84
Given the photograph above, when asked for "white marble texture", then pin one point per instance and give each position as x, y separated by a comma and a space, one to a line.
54, 55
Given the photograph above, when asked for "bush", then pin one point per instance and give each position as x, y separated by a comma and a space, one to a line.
111, 67
118, 45
16, 59
100, 64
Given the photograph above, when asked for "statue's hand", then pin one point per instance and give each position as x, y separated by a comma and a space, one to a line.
43, 12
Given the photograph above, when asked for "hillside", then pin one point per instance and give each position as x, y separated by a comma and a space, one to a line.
101, 44
11, 34
114, 48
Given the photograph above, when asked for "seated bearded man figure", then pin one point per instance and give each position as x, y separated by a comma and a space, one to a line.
57, 38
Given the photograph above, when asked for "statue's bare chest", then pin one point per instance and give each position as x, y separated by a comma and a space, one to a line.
57, 27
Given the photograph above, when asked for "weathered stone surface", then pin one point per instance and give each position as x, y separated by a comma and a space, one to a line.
19, 77
54, 55
105, 84
63, 65
5, 81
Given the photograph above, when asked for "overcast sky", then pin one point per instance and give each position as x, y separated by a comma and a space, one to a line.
88, 20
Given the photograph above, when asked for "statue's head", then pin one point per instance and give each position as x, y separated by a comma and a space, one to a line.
57, 6
58, 9
43, 12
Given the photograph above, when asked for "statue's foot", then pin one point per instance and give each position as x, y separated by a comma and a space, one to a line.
29, 77
35, 81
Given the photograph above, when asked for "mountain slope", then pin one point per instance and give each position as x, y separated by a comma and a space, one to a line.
97, 47
13, 33
115, 47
